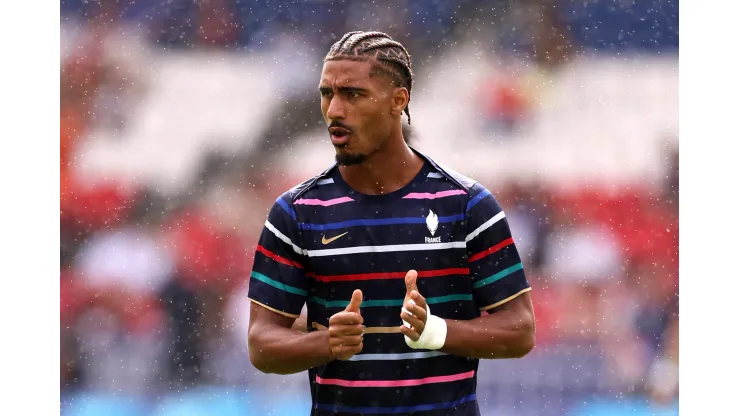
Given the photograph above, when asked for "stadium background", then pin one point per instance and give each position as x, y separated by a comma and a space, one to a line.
182, 121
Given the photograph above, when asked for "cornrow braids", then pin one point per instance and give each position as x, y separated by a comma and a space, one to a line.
393, 57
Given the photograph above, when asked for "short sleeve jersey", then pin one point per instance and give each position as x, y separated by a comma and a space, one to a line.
322, 240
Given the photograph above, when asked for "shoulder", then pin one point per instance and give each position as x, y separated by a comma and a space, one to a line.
478, 195
471, 186
287, 198
461, 181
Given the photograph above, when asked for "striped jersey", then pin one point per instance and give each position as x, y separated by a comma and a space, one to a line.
322, 240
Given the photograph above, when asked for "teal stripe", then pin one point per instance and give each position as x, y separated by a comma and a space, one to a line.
450, 298
264, 279
331, 303
388, 302
497, 276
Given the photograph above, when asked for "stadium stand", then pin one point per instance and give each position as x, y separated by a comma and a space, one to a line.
177, 137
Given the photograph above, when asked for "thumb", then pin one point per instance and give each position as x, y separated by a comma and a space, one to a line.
354, 303
411, 281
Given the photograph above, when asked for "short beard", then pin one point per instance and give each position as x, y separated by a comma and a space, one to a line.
349, 159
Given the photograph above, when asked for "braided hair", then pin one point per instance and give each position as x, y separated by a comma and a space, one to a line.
393, 59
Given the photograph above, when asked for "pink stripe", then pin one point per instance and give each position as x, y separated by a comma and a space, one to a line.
395, 383
328, 203
426, 195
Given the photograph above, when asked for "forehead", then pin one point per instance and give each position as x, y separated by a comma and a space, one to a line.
346, 72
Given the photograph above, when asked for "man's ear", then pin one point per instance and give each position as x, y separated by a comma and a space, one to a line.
400, 100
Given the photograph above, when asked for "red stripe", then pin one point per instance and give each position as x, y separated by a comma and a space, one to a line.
277, 258
395, 383
387, 275
491, 250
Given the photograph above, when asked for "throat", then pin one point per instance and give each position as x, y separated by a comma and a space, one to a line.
379, 176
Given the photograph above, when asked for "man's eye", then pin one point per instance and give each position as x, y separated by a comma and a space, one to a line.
354, 94
325, 93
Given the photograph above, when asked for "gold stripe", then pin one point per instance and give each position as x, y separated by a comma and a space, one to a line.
289, 315
506, 300
383, 329
368, 330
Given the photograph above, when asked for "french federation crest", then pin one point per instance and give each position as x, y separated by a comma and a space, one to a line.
432, 222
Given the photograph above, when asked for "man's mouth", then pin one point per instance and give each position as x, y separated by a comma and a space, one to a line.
339, 135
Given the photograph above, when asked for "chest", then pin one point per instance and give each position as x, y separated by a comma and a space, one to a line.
371, 247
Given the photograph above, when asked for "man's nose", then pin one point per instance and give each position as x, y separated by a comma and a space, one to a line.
336, 110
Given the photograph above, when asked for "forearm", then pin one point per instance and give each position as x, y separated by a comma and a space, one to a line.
287, 351
500, 335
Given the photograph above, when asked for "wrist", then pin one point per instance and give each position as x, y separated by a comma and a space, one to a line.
326, 341
433, 336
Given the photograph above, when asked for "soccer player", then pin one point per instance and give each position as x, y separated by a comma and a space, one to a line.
407, 269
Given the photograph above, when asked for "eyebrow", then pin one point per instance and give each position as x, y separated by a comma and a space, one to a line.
344, 89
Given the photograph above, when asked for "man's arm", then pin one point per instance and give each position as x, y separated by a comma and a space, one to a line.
278, 290
506, 333
274, 347
499, 287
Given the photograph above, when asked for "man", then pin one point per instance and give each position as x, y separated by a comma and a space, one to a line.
394, 256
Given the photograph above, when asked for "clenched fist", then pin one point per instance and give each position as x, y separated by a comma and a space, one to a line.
346, 329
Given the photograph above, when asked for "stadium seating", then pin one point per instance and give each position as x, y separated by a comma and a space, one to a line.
619, 138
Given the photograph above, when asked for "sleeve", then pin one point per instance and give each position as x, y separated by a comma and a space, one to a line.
278, 281
495, 265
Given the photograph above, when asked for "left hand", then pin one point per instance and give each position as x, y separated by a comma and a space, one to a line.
417, 305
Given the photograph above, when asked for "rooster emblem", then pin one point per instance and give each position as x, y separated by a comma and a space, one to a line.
432, 222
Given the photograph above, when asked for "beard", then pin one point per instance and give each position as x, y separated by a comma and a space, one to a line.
349, 159
346, 157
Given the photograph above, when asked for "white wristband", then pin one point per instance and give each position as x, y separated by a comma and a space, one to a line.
432, 337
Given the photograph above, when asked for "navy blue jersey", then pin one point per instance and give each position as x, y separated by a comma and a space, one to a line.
322, 240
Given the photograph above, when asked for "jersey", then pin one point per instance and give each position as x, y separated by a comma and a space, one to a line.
322, 240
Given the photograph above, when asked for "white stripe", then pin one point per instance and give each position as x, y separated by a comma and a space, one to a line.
325, 181
396, 357
285, 238
435, 175
496, 218
385, 249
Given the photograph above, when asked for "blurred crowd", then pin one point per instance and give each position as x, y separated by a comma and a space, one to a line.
256, 24
153, 285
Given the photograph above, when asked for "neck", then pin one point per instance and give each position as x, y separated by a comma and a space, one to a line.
387, 170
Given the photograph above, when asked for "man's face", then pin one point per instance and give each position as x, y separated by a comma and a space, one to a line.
356, 108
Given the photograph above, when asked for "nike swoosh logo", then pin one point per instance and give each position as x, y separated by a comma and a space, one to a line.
324, 240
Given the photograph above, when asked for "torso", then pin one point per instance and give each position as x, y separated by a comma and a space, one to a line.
357, 241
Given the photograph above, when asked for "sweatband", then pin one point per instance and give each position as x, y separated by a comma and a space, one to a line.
432, 337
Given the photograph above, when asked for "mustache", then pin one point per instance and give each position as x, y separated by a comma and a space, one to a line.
338, 124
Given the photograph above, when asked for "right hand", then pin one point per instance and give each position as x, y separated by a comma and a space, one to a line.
346, 329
